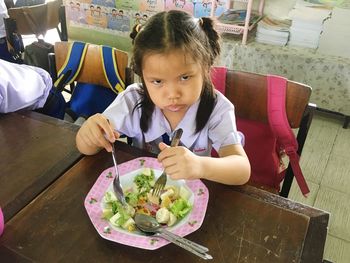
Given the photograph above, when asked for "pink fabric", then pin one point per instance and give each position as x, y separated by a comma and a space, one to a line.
218, 77
280, 126
260, 146
261, 138
1, 222
260, 143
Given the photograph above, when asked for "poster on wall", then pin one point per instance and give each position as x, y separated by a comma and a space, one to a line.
202, 8
198, 8
179, 5
109, 22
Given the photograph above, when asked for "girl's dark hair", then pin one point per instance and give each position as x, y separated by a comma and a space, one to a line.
166, 31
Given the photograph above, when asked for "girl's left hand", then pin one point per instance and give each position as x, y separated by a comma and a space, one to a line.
179, 162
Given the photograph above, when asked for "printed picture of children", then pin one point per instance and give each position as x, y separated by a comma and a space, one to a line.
205, 3
144, 18
137, 19
75, 13
96, 17
113, 20
180, 3
107, 3
118, 21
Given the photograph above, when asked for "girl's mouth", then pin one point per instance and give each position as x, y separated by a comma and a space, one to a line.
174, 108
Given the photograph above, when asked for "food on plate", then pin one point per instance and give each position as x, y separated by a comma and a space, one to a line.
168, 209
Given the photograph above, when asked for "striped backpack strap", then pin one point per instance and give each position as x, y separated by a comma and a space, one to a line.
72, 64
110, 69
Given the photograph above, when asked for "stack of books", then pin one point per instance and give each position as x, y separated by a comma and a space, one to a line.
307, 23
237, 17
273, 31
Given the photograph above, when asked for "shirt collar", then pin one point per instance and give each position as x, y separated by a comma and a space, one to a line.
160, 125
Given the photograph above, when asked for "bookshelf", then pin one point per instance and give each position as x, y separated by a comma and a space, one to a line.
238, 29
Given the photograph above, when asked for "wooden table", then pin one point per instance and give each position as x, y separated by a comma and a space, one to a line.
242, 224
34, 151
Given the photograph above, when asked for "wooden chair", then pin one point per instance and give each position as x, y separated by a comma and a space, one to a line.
91, 71
248, 92
36, 20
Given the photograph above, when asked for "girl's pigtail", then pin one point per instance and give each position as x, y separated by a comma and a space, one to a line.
207, 25
135, 30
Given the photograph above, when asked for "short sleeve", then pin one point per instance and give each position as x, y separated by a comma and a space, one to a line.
123, 112
23, 86
222, 125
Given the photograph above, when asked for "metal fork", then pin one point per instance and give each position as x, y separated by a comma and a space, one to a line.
116, 182
161, 181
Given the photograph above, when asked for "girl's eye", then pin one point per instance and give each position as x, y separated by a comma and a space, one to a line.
185, 77
156, 82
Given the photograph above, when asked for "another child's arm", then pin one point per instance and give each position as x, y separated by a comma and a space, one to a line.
231, 168
95, 133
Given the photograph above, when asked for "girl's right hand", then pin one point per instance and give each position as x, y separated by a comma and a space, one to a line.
96, 133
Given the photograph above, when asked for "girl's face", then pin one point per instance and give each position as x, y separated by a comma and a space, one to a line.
174, 82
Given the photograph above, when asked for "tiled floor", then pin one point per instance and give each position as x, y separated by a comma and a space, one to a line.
326, 166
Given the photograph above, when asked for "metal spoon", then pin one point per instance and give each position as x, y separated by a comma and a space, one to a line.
149, 224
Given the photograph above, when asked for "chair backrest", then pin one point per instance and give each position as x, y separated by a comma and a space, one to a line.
91, 91
20, 3
37, 19
92, 70
248, 92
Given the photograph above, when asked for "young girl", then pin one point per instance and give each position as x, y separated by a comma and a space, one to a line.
173, 53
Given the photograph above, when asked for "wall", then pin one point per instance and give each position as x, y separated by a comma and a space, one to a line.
110, 22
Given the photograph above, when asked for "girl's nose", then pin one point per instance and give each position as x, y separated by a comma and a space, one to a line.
173, 93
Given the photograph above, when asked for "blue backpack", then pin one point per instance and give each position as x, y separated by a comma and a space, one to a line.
86, 99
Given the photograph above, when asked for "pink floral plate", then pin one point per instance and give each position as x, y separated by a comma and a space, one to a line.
128, 170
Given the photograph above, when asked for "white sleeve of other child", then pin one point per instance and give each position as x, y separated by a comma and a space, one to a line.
22, 87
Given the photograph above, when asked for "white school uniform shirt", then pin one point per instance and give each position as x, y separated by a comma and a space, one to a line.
219, 131
3, 14
22, 87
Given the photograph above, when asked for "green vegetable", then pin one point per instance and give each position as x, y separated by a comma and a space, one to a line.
144, 181
120, 217
132, 198
180, 208
110, 197
107, 213
124, 216
137, 198
115, 207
